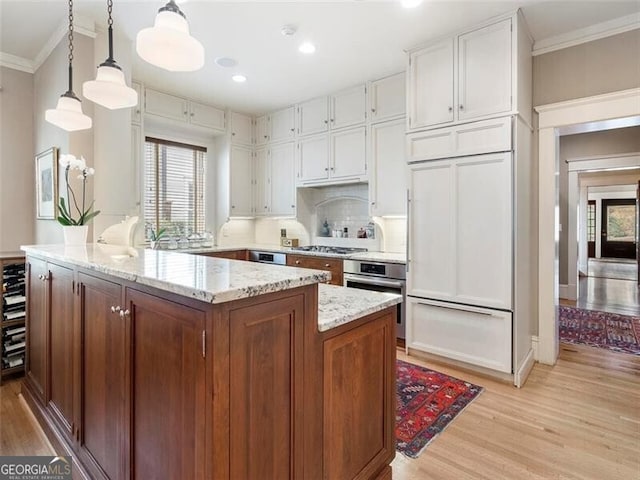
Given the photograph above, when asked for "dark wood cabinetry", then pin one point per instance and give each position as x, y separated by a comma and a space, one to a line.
229, 254
37, 345
334, 265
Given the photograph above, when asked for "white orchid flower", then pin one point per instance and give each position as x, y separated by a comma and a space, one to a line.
78, 164
66, 159
90, 171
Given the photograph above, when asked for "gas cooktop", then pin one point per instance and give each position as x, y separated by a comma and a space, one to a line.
329, 249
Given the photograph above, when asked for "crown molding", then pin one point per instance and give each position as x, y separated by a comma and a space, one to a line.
16, 63
81, 25
587, 34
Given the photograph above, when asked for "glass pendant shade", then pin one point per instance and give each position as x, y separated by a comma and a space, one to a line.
109, 89
68, 114
168, 43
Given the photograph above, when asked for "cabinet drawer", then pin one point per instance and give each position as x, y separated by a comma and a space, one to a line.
473, 335
333, 265
467, 139
229, 254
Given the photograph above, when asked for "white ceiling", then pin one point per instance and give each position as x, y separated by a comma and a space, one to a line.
356, 40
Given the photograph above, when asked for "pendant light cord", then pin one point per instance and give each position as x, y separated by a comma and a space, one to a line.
110, 62
70, 37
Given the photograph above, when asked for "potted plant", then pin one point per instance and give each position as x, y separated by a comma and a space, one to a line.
155, 236
72, 214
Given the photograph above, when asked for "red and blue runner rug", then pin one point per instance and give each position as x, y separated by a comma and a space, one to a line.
618, 333
426, 402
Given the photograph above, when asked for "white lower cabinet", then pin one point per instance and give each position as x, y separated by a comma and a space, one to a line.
283, 179
473, 335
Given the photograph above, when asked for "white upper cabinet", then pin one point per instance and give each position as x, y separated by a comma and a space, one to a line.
283, 179
348, 107
241, 128
183, 110
313, 116
349, 153
241, 173
388, 183
387, 98
283, 125
313, 158
262, 181
206, 116
165, 105
136, 112
262, 130
463, 78
431, 85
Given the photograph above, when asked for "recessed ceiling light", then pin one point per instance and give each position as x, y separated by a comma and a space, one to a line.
410, 3
307, 47
226, 62
239, 78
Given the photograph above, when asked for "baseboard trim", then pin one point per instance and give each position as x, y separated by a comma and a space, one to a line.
523, 372
534, 347
569, 291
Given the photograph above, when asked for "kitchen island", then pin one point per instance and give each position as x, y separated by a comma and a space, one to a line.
154, 364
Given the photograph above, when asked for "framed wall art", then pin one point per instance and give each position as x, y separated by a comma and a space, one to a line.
47, 184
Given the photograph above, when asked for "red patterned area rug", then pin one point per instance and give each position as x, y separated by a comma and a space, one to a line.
618, 333
427, 401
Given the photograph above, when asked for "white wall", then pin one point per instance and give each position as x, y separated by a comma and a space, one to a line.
17, 164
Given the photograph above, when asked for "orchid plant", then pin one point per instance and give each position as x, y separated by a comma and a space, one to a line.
67, 209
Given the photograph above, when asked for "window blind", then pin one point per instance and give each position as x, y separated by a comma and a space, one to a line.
174, 180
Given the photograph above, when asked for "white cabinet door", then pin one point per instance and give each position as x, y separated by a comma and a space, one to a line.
261, 182
313, 158
431, 223
387, 98
349, 107
388, 182
431, 85
241, 128
283, 179
136, 113
262, 130
313, 116
484, 77
164, 105
283, 125
241, 180
349, 153
477, 336
207, 116
483, 230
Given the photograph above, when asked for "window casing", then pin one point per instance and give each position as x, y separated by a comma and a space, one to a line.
174, 181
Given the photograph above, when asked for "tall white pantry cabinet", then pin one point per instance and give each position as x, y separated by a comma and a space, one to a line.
470, 212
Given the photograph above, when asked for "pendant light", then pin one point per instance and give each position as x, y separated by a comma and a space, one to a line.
168, 43
109, 89
68, 113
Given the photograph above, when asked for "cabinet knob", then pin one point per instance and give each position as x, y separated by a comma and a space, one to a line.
451, 109
233, 206
186, 113
233, 134
332, 120
326, 169
461, 107
326, 265
293, 206
41, 277
192, 114
373, 110
297, 262
326, 121
138, 112
124, 313
373, 204
115, 309
293, 130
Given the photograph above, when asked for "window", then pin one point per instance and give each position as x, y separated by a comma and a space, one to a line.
591, 221
174, 180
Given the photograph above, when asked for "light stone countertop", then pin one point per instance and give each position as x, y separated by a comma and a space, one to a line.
10, 255
339, 305
387, 257
211, 280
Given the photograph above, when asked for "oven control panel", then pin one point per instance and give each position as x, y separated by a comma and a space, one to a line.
373, 269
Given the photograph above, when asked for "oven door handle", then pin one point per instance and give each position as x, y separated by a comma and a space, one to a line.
374, 281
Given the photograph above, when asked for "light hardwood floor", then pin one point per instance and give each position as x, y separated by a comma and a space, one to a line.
577, 420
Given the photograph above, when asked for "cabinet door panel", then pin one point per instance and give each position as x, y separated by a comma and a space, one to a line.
388, 98
483, 230
241, 179
262, 130
206, 116
136, 113
349, 107
241, 128
431, 88
164, 105
283, 125
37, 319
283, 179
104, 380
262, 182
62, 346
484, 84
313, 158
168, 368
266, 391
389, 182
313, 116
349, 153
431, 224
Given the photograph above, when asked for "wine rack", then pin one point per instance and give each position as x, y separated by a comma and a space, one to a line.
12, 315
